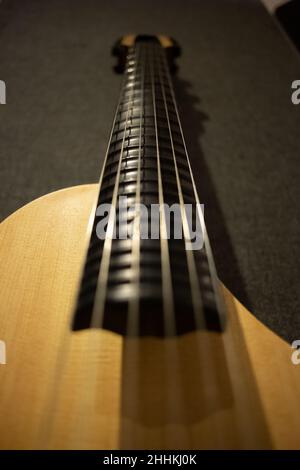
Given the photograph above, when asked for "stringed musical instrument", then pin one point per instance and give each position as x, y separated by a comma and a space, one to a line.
133, 343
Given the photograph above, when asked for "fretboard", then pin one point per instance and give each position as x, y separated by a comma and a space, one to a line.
146, 285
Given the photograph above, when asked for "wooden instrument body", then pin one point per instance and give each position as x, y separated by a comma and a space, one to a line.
96, 389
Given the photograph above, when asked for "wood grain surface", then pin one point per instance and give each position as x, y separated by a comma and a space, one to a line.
96, 389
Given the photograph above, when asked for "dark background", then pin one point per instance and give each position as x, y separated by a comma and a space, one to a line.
234, 94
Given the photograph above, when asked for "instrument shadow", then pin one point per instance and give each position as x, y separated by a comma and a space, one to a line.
189, 392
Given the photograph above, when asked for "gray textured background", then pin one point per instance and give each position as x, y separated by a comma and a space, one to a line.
234, 95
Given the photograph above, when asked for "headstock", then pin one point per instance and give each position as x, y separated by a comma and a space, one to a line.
122, 46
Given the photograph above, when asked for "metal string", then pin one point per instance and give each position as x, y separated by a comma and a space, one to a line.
52, 402
92, 367
210, 259
175, 399
133, 307
203, 343
101, 291
193, 275
167, 289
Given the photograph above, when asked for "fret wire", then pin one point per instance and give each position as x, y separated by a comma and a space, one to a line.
193, 275
133, 306
101, 290
209, 255
146, 161
167, 289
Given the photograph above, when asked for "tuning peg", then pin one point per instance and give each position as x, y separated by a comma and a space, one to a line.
120, 50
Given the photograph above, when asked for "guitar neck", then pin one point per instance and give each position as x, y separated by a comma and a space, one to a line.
140, 276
